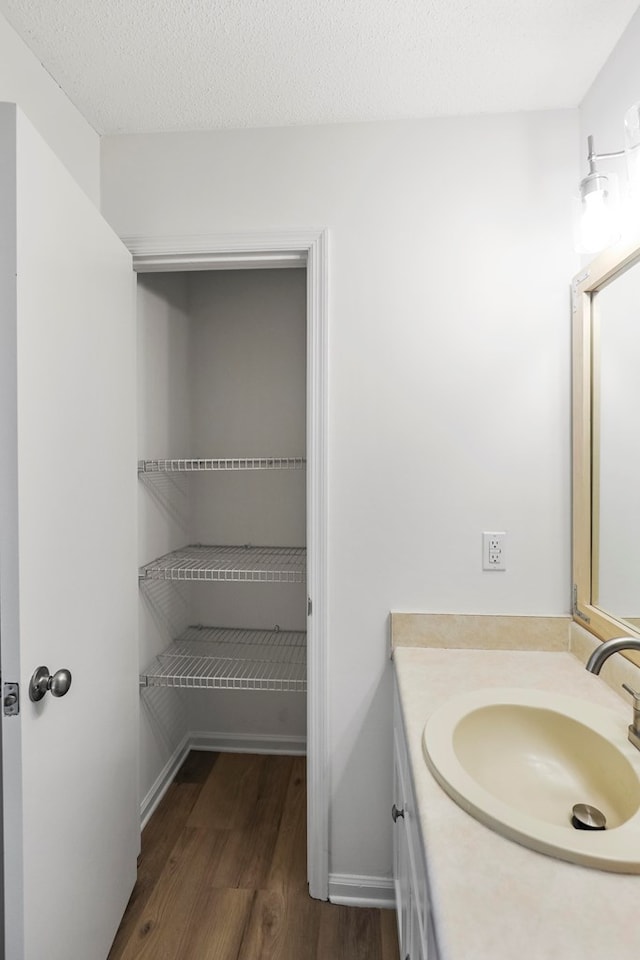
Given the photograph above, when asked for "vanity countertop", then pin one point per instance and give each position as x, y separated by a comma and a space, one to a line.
494, 899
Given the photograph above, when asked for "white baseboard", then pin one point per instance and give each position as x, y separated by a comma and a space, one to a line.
248, 743
358, 891
220, 743
162, 781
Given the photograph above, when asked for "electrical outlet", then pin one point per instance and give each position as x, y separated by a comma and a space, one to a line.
493, 551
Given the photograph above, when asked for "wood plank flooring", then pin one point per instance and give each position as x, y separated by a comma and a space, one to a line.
222, 873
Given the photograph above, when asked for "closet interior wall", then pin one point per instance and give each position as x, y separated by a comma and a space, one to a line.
222, 374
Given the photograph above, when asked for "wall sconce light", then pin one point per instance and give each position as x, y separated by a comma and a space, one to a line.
632, 151
598, 220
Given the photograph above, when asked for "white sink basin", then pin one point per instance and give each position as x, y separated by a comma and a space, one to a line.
519, 760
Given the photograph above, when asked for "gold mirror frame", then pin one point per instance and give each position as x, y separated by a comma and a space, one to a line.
601, 271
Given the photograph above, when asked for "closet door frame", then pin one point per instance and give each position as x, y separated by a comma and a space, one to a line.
280, 249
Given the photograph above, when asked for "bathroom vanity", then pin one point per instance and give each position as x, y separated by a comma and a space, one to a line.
463, 891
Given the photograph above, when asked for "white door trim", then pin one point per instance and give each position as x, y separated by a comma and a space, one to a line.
287, 249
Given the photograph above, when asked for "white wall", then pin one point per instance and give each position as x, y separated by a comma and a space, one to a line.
248, 382
450, 261
164, 503
248, 393
23, 80
616, 88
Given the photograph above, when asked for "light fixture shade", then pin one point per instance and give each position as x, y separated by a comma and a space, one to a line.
632, 152
596, 216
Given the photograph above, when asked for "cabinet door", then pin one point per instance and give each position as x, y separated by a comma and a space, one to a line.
415, 950
415, 925
401, 864
432, 947
406, 906
68, 580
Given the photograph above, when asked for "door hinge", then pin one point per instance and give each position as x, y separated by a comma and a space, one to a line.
576, 611
11, 699
309, 607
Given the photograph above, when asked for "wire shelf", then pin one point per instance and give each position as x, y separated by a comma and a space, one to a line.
241, 463
220, 658
230, 563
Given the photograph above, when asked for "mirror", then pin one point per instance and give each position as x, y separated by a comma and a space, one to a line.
606, 453
615, 549
606, 444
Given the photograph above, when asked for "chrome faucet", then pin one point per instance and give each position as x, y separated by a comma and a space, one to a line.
604, 651
594, 665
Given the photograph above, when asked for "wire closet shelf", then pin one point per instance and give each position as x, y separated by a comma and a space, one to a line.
219, 658
235, 463
229, 563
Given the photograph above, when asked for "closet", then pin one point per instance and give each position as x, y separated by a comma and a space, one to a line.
222, 512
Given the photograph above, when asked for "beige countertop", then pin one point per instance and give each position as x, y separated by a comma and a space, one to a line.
494, 899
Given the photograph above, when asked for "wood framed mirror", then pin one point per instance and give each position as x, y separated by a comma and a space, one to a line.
606, 444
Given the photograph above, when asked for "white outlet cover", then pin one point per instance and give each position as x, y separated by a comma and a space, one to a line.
493, 550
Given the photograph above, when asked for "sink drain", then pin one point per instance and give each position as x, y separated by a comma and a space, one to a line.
586, 817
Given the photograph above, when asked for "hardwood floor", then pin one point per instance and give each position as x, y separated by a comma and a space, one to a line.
222, 873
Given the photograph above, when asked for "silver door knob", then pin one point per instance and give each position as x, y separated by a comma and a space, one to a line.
42, 681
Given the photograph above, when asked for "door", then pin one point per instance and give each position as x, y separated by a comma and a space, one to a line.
67, 557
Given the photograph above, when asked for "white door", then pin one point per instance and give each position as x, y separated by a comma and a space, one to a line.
67, 557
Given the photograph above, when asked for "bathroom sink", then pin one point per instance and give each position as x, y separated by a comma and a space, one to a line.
520, 760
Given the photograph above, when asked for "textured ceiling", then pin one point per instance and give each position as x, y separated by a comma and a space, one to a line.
152, 65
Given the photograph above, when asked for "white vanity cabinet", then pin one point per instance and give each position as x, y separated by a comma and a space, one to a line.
416, 932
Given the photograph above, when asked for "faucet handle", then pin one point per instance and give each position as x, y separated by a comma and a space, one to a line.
634, 693
634, 728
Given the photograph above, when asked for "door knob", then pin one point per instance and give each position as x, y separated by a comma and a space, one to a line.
42, 681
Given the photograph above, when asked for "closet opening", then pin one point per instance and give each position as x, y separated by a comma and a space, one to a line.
231, 519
